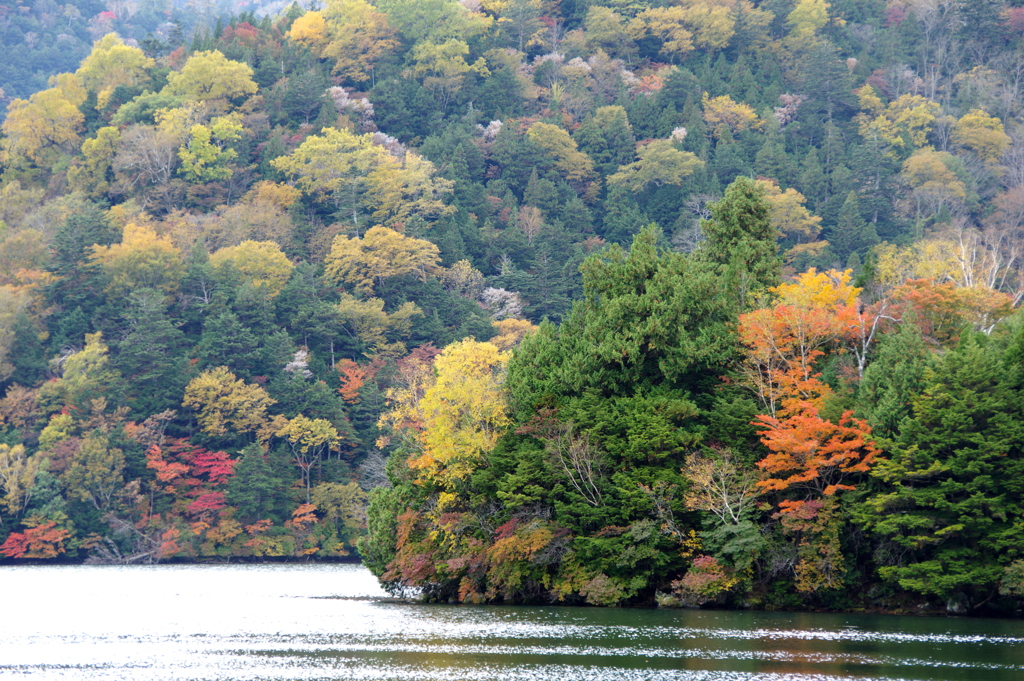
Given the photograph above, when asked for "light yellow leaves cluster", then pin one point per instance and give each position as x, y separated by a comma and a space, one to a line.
96, 472
379, 254
464, 413
407, 190
357, 174
211, 77
143, 259
928, 259
262, 263
904, 122
930, 174
367, 321
697, 24
224, 402
92, 170
723, 114
660, 163
804, 21
443, 67
463, 279
17, 477
351, 33
575, 165
43, 128
981, 133
112, 64
789, 215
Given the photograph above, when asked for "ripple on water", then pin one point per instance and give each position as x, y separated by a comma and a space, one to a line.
322, 622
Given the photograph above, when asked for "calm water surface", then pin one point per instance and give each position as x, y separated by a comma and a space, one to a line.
323, 622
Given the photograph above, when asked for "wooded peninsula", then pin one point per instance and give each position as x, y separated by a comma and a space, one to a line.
612, 302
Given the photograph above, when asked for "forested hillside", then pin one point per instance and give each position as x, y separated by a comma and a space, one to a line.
702, 301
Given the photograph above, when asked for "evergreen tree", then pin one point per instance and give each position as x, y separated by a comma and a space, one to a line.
851, 233
953, 488
741, 241
151, 356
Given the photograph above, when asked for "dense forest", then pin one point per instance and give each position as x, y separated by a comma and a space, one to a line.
695, 302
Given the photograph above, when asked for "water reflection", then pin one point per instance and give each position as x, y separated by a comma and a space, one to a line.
326, 622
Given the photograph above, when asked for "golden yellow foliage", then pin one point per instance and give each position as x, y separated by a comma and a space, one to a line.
380, 253
511, 333
789, 215
224, 401
982, 133
828, 290
143, 259
723, 114
464, 412
112, 64
310, 30
262, 263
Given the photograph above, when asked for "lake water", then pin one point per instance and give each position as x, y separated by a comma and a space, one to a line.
324, 622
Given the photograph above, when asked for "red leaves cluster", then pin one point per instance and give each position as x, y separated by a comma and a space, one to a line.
43, 541
189, 466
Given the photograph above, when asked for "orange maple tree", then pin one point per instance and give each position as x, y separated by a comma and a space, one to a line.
354, 376
42, 541
783, 345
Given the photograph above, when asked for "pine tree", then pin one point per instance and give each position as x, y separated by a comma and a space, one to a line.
851, 234
742, 242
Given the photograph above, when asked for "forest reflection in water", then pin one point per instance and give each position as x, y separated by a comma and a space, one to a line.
330, 622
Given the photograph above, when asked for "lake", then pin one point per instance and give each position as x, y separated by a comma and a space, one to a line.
326, 622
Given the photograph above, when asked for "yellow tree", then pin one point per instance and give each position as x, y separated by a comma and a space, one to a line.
401, 191
17, 477
310, 30
981, 133
930, 174
367, 321
443, 67
380, 253
309, 440
660, 163
666, 24
143, 259
575, 165
86, 380
511, 332
358, 36
223, 401
805, 20
464, 413
723, 114
211, 77
335, 165
903, 124
111, 64
262, 263
205, 153
789, 215
43, 128
96, 472
92, 171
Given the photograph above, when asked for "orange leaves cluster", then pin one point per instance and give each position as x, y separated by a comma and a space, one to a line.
354, 376
43, 541
783, 344
810, 452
